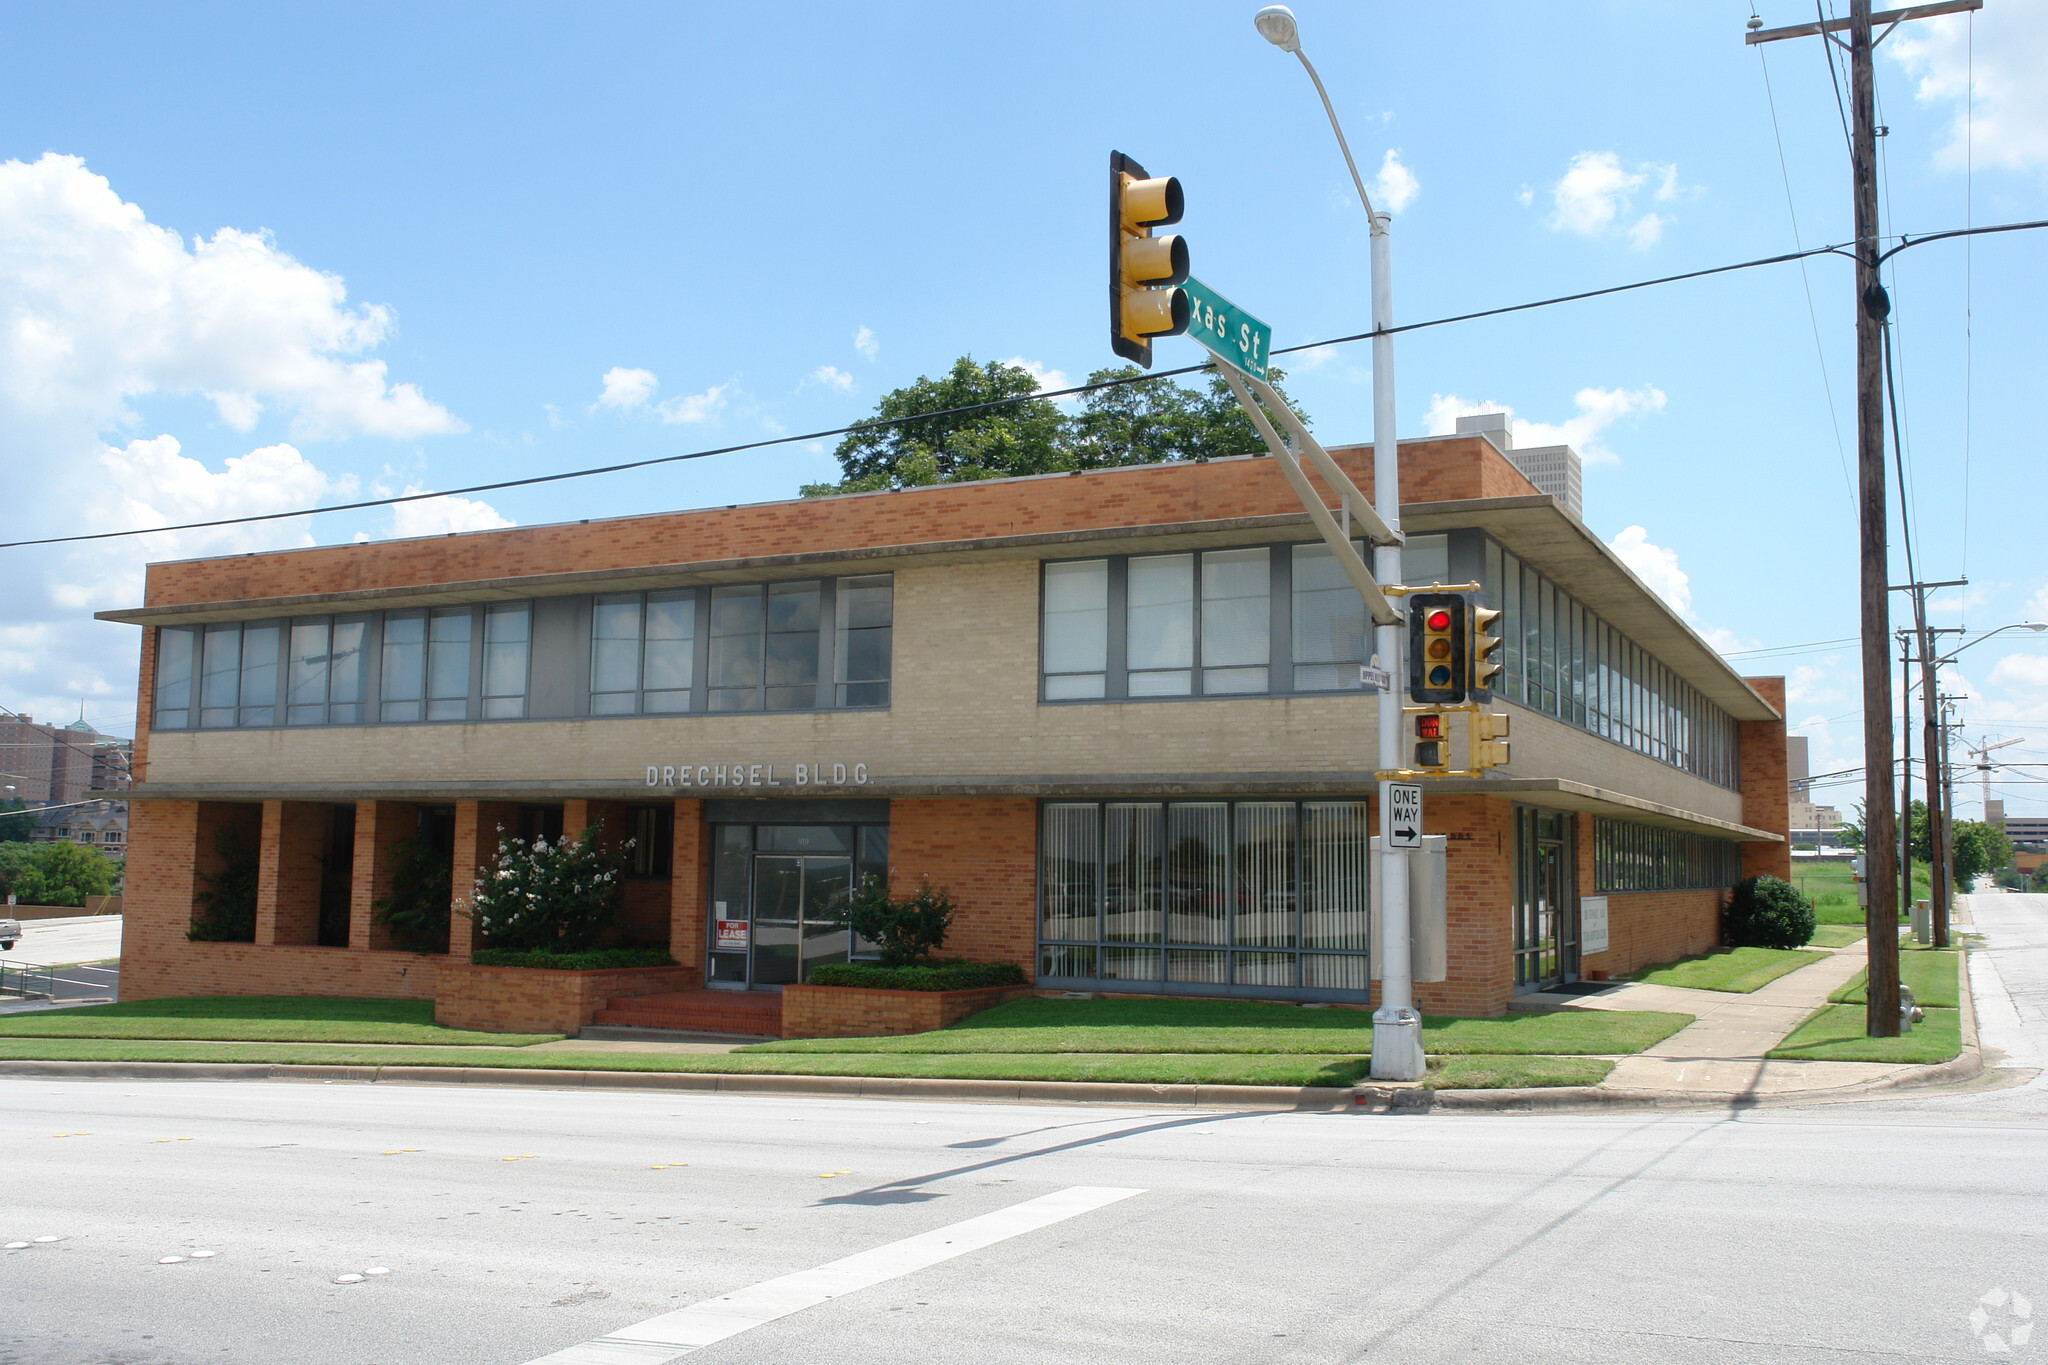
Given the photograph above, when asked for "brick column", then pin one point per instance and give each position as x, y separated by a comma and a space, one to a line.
476, 845
689, 879
288, 871
1765, 783
379, 825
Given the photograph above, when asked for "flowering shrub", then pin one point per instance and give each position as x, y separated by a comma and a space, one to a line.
542, 897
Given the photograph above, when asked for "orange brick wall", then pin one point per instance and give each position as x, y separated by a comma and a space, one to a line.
1432, 470
1478, 862
984, 851
523, 1000
851, 1012
689, 883
1648, 928
1766, 791
293, 846
379, 825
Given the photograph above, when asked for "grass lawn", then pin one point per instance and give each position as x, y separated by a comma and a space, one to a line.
1836, 935
1834, 1033
1930, 973
1246, 1027
1833, 891
259, 1018
1739, 970
1446, 1073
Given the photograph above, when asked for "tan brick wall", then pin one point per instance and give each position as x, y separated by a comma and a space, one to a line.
852, 1012
984, 851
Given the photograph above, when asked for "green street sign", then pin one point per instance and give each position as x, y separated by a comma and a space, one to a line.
1234, 335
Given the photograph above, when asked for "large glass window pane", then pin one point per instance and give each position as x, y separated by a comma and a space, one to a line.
615, 654
1426, 560
260, 645
1329, 622
1237, 610
1578, 664
306, 679
1547, 670
1511, 624
506, 631
1337, 873
1131, 838
1263, 857
792, 646
866, 612
448, 631
737, 622
1197, 871
1532, 638
670, 651
347, 664
1068, 871
403, 678
175, 647
1160, 624
1075, 640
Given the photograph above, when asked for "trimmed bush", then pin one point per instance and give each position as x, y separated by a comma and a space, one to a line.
422, 893
594, 960
1767, 913
548, 898
906, 931
937, 976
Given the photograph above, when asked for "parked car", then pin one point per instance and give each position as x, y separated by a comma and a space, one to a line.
10, 933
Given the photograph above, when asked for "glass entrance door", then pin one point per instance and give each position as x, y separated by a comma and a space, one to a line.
797, 903
1545, 910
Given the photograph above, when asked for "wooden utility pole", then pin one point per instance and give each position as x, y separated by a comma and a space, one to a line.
1880, 825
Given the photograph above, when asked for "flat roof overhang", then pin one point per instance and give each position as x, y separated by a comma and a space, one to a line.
1532, 526
1551, 792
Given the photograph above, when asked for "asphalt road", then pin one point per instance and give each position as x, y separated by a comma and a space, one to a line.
1839, 1233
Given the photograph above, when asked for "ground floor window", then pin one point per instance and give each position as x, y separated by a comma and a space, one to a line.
1632, 857
1205, 897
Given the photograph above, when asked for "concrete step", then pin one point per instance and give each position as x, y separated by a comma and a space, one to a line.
618, 1033
750, 1013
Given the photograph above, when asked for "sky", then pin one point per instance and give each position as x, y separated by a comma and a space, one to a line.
259, 258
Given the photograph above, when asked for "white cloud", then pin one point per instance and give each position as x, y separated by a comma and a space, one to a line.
694, 407
2027, 672
1598, 409
103, 306
2010, 52
1048, 378
625, 390
1596, 197
2037, 605
102, 315
1302, 362
1656, 566
438, 516
866, 343
832, 377
1395, 187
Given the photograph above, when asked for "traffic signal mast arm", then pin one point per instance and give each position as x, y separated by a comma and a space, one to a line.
1363, 516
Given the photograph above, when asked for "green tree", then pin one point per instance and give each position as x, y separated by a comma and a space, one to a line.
1980, 848
55, 873
1125, 424
225, 911
17, 822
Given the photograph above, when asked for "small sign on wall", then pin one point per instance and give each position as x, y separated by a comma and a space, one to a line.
731, 936
1592, 924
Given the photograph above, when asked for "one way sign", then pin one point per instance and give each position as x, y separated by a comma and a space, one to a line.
1404, 815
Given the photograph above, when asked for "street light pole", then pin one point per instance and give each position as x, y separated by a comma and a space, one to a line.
1396, 1026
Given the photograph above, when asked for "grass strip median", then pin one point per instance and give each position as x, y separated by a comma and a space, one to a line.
1737, 970
259, 1018
1247, 1026
1834, 1033
1930, 973
1449, 1073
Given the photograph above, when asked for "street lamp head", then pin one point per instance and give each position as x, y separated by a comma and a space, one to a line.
2035, 626
1275, 24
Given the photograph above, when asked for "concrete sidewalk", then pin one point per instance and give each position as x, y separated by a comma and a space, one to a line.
1721, 1054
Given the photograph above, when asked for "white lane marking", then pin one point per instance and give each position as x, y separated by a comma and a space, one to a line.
676, 1334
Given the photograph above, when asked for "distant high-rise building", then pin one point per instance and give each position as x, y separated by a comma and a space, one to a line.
48, 764
1554, 470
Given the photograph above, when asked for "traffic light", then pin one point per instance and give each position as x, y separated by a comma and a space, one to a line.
1145, 272
1489, 739
1432, 742
1481, 664
1437, 646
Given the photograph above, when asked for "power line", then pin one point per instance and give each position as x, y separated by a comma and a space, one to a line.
879, 424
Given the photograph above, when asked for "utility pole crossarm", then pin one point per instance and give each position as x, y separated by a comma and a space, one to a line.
1890, 18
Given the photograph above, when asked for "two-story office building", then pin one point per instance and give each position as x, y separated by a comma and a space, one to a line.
1116, 714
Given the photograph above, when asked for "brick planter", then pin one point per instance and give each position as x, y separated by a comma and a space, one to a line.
531, 1000
857, 1012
